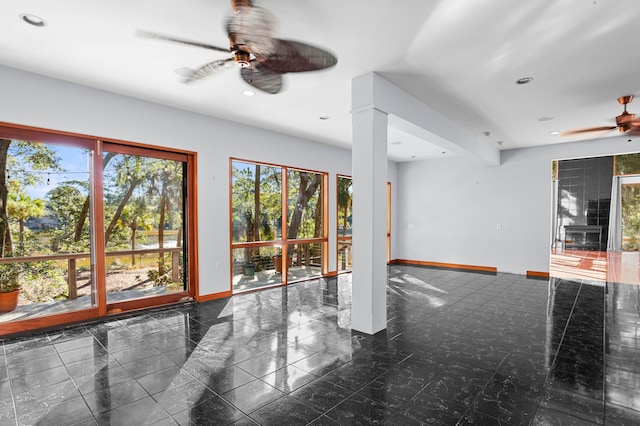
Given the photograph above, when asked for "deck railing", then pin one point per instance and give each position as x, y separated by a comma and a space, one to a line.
72, 274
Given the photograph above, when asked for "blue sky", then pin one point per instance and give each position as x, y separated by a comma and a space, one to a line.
74, 162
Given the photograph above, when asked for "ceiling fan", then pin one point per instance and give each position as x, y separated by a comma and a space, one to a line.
261, 57
625, 122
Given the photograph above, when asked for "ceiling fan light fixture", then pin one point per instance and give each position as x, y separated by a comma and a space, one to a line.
524, 80
242, 58
34, 20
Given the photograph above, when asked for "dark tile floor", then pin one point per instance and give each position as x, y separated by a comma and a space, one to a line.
460, 348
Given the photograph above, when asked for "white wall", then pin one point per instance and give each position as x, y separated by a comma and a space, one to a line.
38, 101
456, 204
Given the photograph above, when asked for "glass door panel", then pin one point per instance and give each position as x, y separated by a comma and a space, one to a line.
45, 188
144, 223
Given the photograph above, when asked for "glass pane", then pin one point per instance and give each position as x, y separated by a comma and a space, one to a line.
345, 201
630, 216
344, 255
144, 226
627, 164
304, 205
255, 267
47, 211
256, 202
306, 261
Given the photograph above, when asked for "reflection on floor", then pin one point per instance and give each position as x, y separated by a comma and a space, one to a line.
269, 277
460, 348
617, 266
34, 310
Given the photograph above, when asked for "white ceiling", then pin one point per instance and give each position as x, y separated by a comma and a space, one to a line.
460, 57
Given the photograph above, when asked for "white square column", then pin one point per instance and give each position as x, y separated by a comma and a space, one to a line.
369, 168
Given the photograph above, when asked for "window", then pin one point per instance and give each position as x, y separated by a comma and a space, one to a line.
627, 164
344, 204
91, 227
267, 250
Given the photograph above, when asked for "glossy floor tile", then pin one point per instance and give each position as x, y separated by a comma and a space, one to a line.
459, 348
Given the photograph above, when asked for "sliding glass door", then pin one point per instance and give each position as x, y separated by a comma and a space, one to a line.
144, 223
90, 227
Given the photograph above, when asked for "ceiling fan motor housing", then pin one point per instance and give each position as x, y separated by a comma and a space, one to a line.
242, 58
626, 119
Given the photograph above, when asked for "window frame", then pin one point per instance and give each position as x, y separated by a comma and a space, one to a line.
95, 146
284, 241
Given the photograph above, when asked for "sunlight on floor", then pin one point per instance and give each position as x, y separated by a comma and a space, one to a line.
619, 266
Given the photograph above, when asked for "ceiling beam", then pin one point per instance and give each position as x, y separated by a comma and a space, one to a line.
408, 113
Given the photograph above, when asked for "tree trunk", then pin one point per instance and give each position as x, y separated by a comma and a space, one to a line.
81, 219
344, 218
304, 195
123, 203
256, 211
256, 203
134, 228
317, 229
85, 207
21, 236
163, 204
6, 247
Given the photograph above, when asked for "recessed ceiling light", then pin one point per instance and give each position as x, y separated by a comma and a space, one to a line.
324, 117
524, 80
34, 20
248, 92
545, 118
413, 156
396, 142
444, 152
554, 133
500, 143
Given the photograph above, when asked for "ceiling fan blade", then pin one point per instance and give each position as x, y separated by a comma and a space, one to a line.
252, 29
157, 36
588, 130
208, 69
294, 56
262, 78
